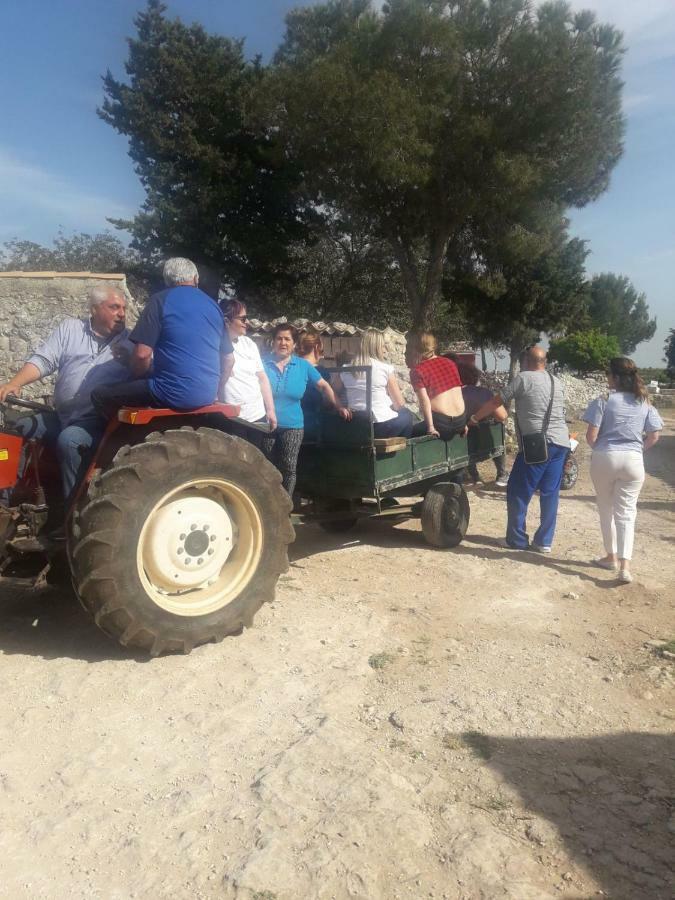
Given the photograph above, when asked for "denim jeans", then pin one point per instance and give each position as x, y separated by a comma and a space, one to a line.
400, 426
524, 480
74, 445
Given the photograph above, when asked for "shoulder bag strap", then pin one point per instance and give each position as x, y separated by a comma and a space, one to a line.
547, 417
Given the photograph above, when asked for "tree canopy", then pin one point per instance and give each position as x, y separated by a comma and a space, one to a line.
615, 307
585, 351
80, 252
429, 118
531, 280
218, 188
384, 158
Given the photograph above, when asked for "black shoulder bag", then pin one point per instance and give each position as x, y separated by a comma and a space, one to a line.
535, 447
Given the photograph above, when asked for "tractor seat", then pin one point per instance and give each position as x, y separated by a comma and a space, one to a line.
143, 415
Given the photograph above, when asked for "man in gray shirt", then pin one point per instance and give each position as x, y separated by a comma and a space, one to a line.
84, 354
532, 390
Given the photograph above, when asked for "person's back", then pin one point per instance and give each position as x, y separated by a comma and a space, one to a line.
357, 393
188, 346
531, 390
624, 417
474, 397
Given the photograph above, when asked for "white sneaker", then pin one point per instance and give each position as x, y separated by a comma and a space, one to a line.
539, 549
502, 481
626, 577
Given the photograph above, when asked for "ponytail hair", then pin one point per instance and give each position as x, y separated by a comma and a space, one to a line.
627, 378
423, 346
310, 342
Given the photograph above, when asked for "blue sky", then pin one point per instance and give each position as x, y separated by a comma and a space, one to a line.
61, 166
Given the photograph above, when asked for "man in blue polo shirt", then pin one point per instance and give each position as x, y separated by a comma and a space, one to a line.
182, 351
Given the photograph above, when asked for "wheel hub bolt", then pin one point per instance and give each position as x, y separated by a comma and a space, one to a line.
200, 561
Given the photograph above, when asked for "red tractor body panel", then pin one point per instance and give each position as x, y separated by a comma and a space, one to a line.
10, 453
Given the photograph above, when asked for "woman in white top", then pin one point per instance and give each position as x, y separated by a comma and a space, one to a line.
248, 385
390, 416
620, 428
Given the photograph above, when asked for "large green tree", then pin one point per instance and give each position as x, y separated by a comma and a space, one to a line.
526, 280
431, 119
219, 188
616, 307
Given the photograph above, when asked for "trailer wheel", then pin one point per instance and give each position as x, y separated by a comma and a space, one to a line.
181, 540
570, 474
445, 514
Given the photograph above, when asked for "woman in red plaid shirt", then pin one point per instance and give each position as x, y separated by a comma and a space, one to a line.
439, 390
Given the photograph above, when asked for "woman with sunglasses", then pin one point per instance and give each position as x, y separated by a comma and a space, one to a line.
248, 385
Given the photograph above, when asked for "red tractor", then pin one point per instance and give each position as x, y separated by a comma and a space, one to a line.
177, 534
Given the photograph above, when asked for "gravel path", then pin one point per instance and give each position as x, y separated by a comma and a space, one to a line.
401, 722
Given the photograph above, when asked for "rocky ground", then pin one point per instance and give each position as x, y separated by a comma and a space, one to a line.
401, 722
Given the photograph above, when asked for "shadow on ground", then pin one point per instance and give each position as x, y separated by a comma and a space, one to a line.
51, 623
611, 798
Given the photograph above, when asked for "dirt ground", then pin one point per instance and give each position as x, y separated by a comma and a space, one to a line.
401, 722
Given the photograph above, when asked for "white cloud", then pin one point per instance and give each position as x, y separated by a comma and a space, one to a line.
31, 188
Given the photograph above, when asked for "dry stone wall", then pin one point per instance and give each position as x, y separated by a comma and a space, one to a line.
32, 304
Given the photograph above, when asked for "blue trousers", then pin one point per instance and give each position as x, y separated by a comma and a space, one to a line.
74, 444
524, 480
401, 426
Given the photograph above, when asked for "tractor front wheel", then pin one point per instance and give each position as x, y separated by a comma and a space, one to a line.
181, 540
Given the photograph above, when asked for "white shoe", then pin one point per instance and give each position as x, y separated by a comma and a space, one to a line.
603, 563
502, 481
539, 549
624, 576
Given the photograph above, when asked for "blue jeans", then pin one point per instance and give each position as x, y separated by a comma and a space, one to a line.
524, 480
401, 426
74, 445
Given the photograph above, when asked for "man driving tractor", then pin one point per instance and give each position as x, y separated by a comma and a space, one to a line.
84, 354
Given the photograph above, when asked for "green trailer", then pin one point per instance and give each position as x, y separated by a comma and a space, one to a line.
346, 474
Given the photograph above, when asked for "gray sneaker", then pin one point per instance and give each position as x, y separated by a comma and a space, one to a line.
539, 549
502, 481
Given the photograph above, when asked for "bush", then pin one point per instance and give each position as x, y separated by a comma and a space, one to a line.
585, 351
651, 374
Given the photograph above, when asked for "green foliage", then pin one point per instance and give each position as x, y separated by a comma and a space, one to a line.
431, 119
341, 274
585, 351
669, 350
530, 279
80, 252
652, 374
218, 187
615, 307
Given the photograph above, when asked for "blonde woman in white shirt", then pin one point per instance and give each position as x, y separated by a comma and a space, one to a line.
248, 385
391, 418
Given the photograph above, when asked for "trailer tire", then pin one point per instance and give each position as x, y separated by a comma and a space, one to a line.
445, 514
227, 501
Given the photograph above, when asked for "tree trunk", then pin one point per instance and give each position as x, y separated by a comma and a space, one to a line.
483, 358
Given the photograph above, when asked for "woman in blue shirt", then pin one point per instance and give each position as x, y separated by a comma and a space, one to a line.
620, 428
289, 377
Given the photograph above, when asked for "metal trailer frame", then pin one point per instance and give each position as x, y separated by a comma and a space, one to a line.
346, 473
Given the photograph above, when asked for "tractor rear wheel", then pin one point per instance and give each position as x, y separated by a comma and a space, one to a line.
445, 514
180, 540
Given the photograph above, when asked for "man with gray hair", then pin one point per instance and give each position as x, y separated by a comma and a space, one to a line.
83, 353
182, 349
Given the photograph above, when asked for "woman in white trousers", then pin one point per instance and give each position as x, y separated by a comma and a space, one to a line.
620, 428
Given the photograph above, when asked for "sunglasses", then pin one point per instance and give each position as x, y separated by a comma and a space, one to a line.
240, 318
